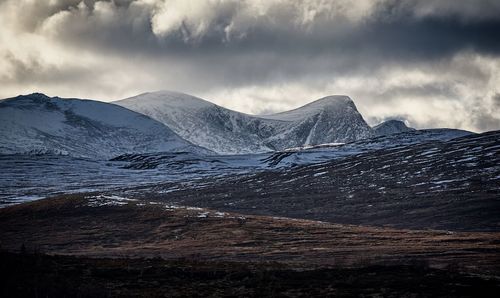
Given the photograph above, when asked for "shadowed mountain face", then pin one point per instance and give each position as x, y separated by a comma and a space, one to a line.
331, 119
37, 124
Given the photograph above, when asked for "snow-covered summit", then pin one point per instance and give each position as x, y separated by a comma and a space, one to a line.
165, 98
39, 124
202, 122
337, 102
331, 119
391, 127
327, 120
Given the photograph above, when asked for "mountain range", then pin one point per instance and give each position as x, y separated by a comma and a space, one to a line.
168, 121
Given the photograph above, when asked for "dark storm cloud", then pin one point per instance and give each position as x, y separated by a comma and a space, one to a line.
381, 51
239, 48
34, 70
391, 29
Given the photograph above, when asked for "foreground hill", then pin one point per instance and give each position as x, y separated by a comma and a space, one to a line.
106, 226
38, 124
39, 275
109, 246
328, 120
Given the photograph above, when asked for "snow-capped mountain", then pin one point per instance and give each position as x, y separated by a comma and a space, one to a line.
202, 122
330, 119
391, 127
37, 124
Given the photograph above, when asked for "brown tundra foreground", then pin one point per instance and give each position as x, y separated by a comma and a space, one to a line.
98, 246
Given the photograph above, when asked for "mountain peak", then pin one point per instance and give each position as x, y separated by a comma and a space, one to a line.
391, 127
168, 98
166, 93
340, 103
331, 100
335, 99
37, 94
26, 100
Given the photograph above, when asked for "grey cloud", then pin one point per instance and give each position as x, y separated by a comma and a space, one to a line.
486, 116
222, 47
496, 101
465, 10
426, 90
27, 75
35, 71
128, 27
486, 122
278, 46
401, 117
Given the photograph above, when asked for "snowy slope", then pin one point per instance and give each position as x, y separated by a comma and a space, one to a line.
391, 127
438, 185
331, 119
326, 152
20, 175
203, 123
37, 124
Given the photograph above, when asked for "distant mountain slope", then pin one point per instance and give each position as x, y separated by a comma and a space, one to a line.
37, 124
449, 185
391, 127
331, 119
182, 164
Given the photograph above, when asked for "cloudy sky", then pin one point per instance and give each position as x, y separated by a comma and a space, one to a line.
434, 63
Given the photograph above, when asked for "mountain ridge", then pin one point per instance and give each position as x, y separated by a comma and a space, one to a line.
38, 124
329, 119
